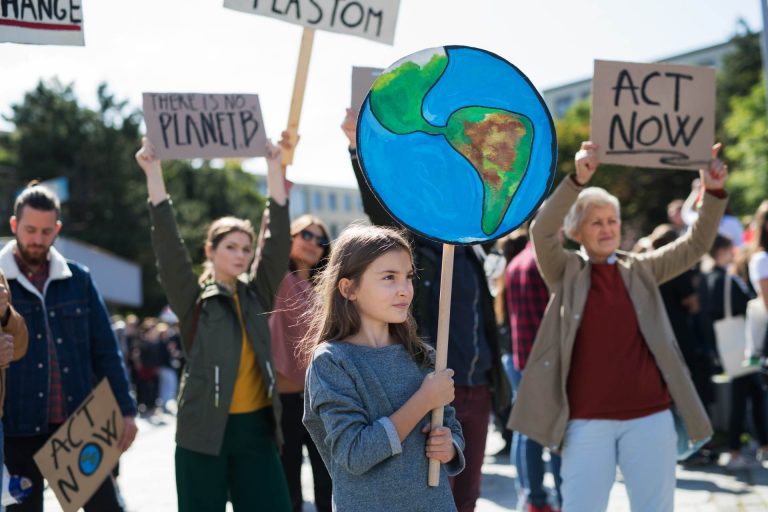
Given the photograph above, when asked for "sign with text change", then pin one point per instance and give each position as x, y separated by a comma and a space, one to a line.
370, 19
192, 125
80, 455
653, 115
42, 22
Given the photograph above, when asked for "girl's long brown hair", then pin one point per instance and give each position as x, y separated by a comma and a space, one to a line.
332, 317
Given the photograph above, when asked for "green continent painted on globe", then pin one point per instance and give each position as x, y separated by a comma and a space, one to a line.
396, 95
496, 142
498, 145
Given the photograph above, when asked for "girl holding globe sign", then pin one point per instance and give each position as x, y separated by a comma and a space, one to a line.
370, 382
415, 131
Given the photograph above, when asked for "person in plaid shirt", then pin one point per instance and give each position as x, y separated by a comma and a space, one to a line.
527, 298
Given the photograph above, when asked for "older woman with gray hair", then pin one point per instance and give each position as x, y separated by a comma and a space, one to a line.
606, 378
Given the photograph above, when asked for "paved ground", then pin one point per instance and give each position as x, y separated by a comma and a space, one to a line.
147, 480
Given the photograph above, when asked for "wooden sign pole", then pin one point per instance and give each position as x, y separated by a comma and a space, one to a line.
299, 85
297, 100
441, 361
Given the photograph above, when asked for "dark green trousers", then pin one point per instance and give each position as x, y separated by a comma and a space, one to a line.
248, 471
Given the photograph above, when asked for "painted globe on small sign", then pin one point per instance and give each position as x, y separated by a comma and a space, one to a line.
457, 144
90, 458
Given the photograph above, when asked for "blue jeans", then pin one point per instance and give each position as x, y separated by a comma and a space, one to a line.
645, 450
527, 455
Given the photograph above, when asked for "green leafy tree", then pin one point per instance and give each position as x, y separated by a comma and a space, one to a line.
747, 126
739, 73
56, 136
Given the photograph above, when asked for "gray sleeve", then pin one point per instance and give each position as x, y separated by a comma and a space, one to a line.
455, 466
356, 443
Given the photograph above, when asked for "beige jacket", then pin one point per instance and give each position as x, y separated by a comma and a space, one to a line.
541, 405
18, 329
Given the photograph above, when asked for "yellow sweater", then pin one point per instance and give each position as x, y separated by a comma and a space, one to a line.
250, 390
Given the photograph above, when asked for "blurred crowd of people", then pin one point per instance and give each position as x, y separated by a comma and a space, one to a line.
153, 357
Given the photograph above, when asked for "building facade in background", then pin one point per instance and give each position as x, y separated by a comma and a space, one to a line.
336, 206
559, 99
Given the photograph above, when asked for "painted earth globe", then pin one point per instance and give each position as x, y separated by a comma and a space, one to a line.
457, 144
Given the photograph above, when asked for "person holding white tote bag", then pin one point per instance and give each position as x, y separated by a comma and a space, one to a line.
757, 310
725, 304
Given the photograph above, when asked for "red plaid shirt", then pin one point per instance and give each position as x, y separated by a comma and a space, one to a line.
527, 298
56, 411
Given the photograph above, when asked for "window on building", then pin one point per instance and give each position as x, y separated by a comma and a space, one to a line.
562, 105
332, 201
317, 201
347, 203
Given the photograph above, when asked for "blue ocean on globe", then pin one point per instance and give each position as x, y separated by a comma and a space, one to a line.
431, 187
90, 459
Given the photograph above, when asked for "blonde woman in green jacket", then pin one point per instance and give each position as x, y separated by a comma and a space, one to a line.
227, 434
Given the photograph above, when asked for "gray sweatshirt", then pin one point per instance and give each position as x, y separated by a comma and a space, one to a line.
350, 393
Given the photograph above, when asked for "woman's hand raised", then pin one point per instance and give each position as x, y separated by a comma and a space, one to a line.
714, 177
150, 164
586, 162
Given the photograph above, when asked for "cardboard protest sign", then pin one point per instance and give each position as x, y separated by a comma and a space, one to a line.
370, 19
653, 115
82, 453
362, 80
42, 22
191, 125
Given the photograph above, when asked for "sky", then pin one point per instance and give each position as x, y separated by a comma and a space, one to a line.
199, 46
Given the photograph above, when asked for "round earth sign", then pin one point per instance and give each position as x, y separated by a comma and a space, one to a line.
457, 144
90, 458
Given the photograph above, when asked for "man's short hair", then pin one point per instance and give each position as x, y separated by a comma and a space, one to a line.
38, 197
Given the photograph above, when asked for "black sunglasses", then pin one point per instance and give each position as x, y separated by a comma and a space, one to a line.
319, 240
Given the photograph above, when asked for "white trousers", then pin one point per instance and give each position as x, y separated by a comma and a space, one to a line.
645, 450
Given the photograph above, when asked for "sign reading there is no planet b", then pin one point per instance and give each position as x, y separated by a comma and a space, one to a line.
653, 115
42, 22
370, 19
192, 125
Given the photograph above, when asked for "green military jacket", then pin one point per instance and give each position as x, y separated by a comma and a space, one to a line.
210, 330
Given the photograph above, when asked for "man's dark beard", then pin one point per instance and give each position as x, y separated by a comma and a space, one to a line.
28, 258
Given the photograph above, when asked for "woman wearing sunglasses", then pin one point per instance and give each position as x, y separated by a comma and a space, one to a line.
309, 250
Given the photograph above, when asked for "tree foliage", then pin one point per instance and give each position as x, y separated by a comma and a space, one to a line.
748, 128
56, 136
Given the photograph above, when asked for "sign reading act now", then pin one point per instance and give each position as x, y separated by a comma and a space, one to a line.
81, 454
653, 115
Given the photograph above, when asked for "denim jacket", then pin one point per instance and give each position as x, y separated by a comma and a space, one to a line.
86, 347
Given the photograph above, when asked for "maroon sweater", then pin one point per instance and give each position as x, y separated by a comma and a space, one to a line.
613, 375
